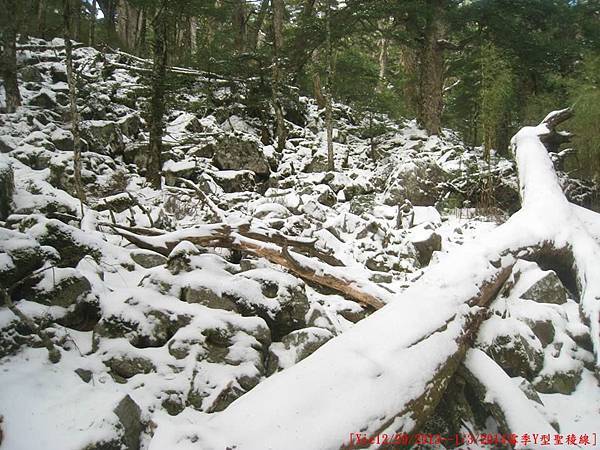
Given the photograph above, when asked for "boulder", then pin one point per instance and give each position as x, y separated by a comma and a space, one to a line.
547, 289
327, 198
183, 169
130, 125
235, 180
296, 346
71, 243
153, 328
235, 153
7, 144
362, 204
147, 259
318, 163
56, 287
129, 414
516, 355
208, 298
129, 366
103, 136
558, 382
20, 255
62, 140
44, 99
30, 74
425, 242
58, 72
543, 329
286, 290
418, 181
179, 258
116, 203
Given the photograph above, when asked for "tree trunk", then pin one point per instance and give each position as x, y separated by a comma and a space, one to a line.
278, 13
409, 61
157, 106
129, 24
431, 70
253, 37
329, 93
67, 21
239, 20
383, 58
318, 91
193, 35
109, 11
41, 18
93, 14
299, 53
9, 56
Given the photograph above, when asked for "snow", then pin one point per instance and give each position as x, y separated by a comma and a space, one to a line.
51, 407
520, 415
364, 377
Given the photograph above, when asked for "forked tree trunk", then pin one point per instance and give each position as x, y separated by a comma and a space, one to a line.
388, 373
8, 36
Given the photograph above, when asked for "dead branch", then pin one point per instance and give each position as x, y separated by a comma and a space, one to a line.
245, 239
218, 212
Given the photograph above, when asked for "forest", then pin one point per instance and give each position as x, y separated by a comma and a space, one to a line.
299, 224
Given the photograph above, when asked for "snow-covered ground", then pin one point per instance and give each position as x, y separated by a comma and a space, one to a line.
191, 348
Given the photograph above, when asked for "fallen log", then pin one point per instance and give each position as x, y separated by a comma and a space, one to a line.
272, 245
387, 373
384, 375
512, 410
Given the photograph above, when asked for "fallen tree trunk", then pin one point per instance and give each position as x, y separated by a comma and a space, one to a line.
508, 404
272, 246
387, 373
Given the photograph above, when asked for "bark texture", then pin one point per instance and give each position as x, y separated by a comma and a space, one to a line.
431, 76
278, 8
75, 131
8, 35
157, 101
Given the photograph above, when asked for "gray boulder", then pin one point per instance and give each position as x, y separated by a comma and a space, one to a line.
125, 367
235, 153
148, 259
296, 346
70, 242
419, 182
516, 356
103, 136
548, 289
22, 255
208, 298
558, 382
129, 414
235, 181
57, 287
426, 242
